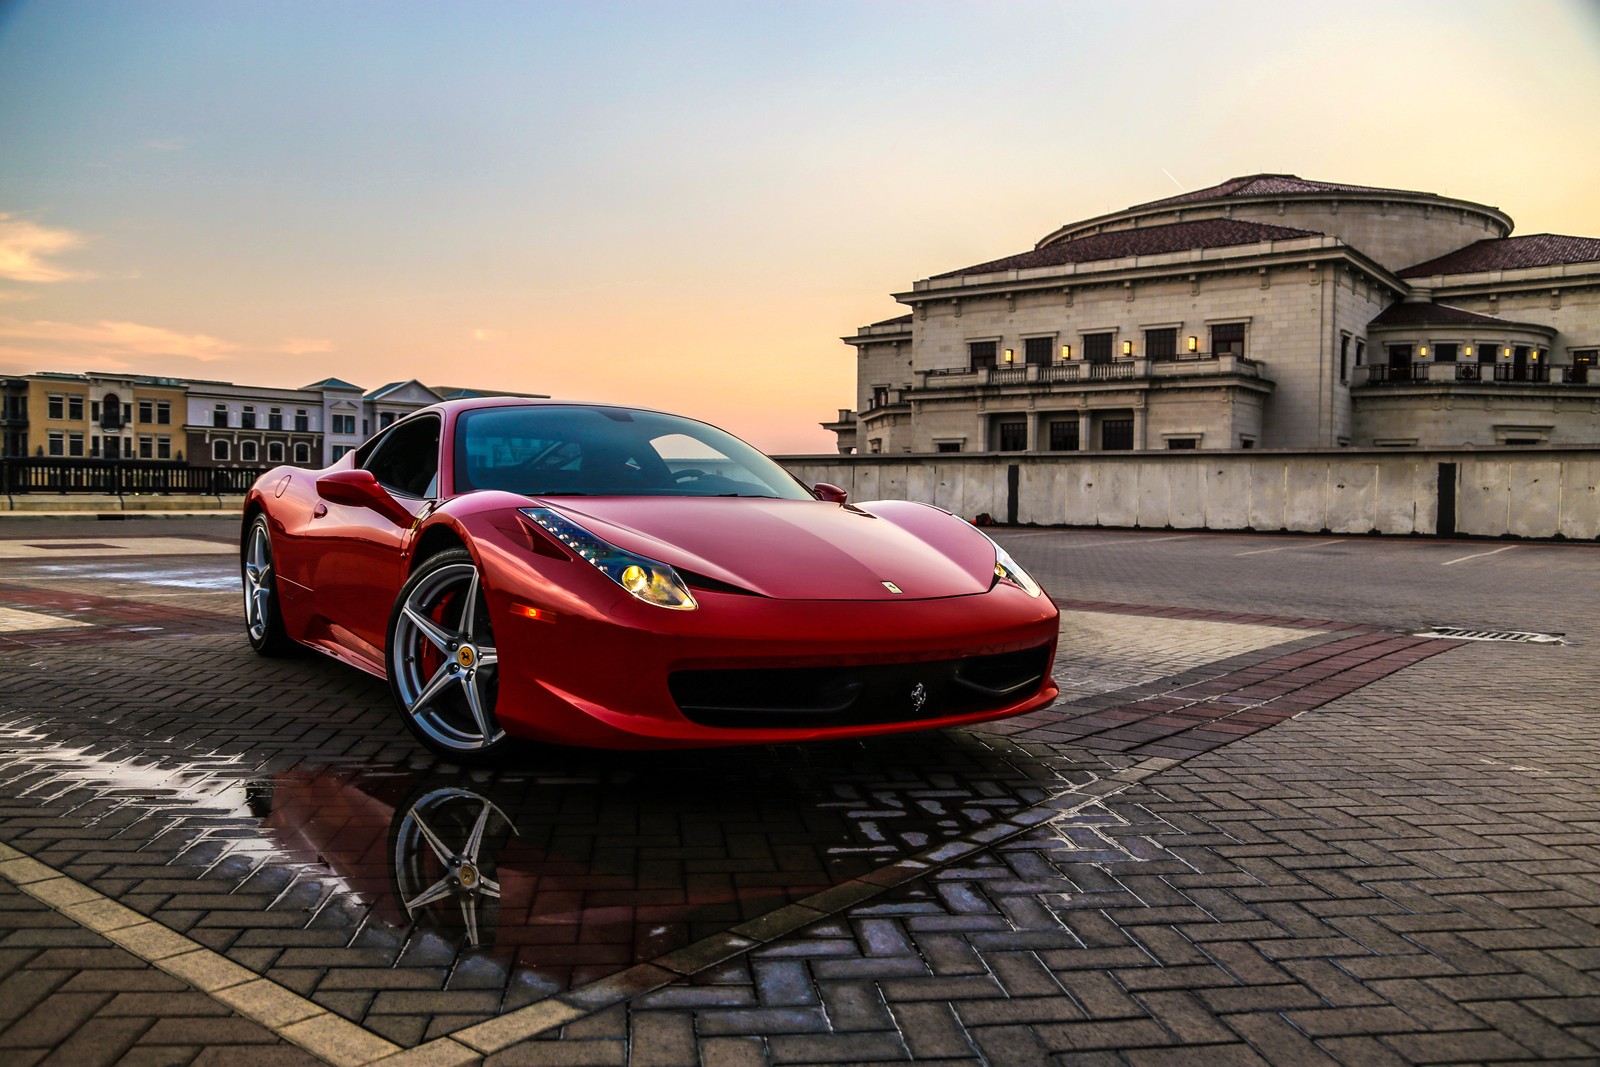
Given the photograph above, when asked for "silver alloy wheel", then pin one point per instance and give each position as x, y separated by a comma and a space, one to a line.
257, 567
445, 665
462, 872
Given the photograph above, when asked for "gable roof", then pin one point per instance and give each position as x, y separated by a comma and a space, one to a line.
1270, 185
1510, 253
384, 390
334, 383
1142, 241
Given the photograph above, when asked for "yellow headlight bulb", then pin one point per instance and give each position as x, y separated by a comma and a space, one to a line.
635, 579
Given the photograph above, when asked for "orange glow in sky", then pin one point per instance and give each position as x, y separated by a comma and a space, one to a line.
685, 205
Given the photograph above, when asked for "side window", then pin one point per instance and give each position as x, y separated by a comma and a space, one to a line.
406, 459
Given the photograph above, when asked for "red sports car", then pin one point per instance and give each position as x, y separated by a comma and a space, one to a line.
621, 578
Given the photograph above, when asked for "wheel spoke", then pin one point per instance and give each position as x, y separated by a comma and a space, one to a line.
436, 685
469, 606
487, 657
441, 888
469, 915
480, 714
469, 851
438, 846
437, 635
259, 605
488, 887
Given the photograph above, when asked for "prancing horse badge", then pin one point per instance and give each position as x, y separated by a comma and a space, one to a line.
919, 696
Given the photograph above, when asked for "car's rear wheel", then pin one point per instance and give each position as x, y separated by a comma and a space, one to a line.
443, 667
263, 623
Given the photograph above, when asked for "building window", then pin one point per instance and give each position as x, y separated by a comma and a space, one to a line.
74, 443
1247, 442
274, 451
247, 417
220, 451
1097, 347
385, 420
1227, 339
1064, 435
1400, 358
247, 452
880, 396
74, 407
275, 418
1361, 352
1583, 366
219, 416
1038, 351
58, 442
1013, 436
1446, 353
1116, 435
94, 446
344, 424
875, 445
339, 451
1178, 443
163, 447
163, 412
147, 446
1344, 358
147, 411
302, 421
302, 454
980, 354
949, 446
1161, 344
58, 406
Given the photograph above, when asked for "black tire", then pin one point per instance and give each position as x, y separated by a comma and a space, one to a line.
263, 621
443, 686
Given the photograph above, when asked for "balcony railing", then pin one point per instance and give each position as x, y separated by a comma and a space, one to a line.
119, 478
1499, 373
1083, 371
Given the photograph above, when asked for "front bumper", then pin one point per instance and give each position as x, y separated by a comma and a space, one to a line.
598, 675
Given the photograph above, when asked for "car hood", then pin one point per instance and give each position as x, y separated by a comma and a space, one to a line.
798, 549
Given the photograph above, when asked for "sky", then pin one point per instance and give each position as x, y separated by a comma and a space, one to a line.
684, 205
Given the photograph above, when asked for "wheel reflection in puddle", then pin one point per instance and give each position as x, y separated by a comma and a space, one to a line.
446, 848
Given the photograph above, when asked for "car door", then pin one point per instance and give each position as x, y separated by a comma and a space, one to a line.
359, 563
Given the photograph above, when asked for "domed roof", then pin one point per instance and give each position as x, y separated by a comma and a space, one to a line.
1271, 185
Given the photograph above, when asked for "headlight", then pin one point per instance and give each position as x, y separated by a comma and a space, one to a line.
1007, 569
651, 581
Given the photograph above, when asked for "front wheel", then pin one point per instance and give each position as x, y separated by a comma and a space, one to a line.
443, 667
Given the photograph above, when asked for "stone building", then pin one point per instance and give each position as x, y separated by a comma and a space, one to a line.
99, 416
1265, 312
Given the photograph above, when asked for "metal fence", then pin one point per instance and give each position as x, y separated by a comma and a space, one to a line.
19, 476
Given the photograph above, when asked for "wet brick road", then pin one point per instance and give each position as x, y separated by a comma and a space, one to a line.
1263, 825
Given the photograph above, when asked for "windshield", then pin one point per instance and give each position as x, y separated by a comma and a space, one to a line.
559, 450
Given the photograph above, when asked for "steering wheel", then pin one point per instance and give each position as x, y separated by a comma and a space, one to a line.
688, 473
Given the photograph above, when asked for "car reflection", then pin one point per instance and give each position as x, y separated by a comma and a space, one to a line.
443, 856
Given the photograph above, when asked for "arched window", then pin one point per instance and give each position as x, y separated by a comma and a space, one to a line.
220, 451
247, 451
275, 452
302, 454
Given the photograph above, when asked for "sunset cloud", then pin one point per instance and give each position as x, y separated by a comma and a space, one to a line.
25, 246
110, 340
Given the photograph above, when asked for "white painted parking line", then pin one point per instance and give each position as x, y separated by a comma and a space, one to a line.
16, 621
1478, 555
1120, 541
1285, 548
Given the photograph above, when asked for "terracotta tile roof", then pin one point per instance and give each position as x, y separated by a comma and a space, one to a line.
1144, 241
1270, 185
1420, 313
1511, 253
898, 320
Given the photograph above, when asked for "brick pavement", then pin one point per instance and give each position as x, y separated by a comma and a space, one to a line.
1286, 854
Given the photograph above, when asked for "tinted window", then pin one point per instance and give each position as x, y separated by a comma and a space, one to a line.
553, 449
406, 459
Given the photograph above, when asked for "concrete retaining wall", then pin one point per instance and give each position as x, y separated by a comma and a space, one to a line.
1498, 492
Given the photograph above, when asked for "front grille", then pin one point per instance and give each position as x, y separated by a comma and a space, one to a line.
810, 697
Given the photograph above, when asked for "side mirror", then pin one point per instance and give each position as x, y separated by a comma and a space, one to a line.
359, 489
831, 493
